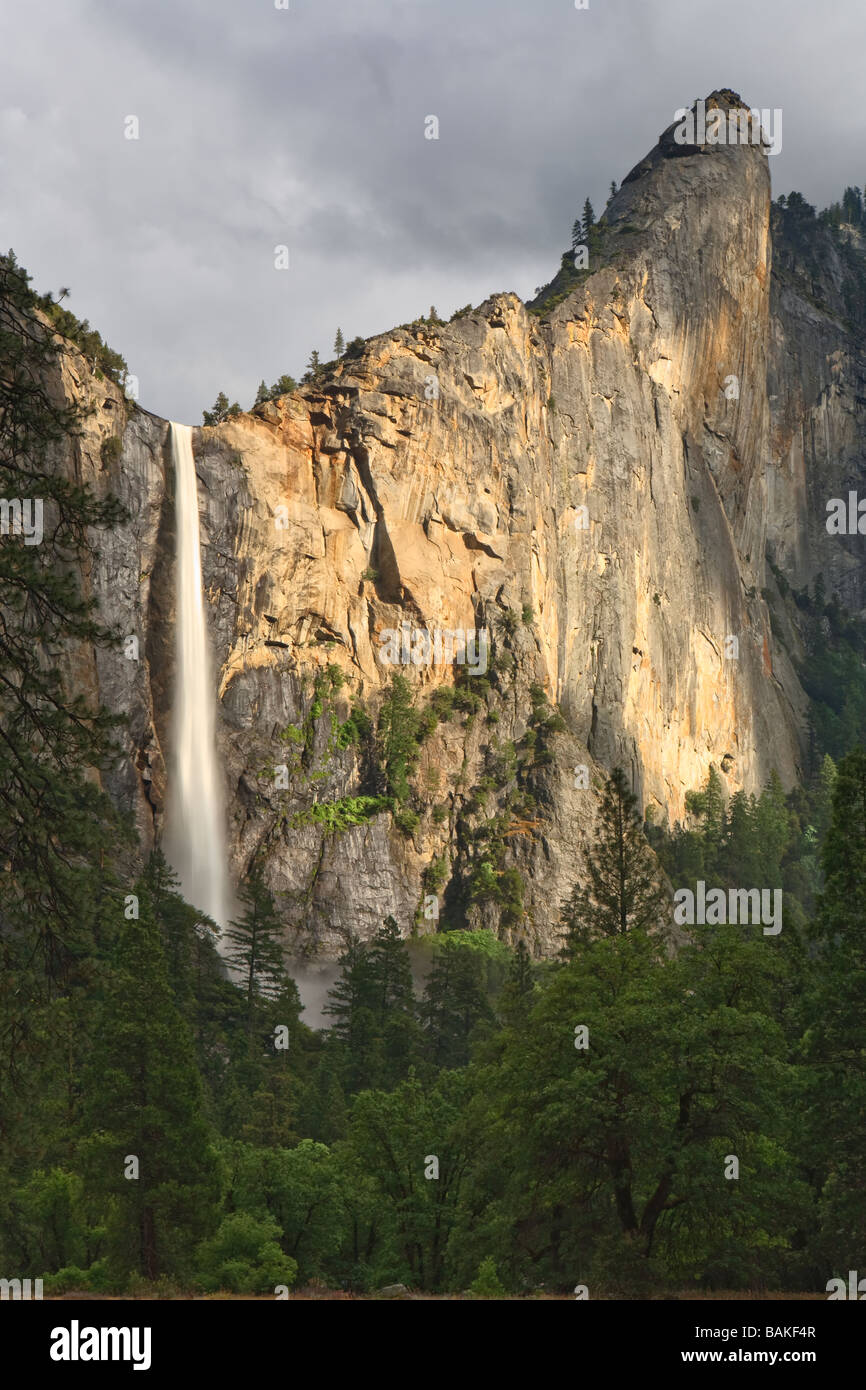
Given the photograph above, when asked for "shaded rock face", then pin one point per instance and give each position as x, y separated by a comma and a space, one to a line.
620, 465
817, 386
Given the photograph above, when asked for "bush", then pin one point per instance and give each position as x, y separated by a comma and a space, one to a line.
110, 450
407, 821
486, 1282
399, 734
244, 1256
337, 816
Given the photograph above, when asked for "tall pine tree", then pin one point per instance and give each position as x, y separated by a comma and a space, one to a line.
148, 1150
621, 890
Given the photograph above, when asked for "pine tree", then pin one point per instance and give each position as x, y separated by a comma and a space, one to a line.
53, 819
397, 737
433, 317
389, 970
613, 188
739, 862
455, 1004
194, 966
576, 233
621, 891
262, 394
836, 1038
393, 996
143, 1102
339, 344
353, 1004
519, 986
709, 806
221, 410
588, 219
773, 830
254, 950
314, 367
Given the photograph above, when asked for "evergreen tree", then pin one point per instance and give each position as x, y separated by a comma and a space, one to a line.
390, 972
254, 950
314, 367
58, 829
852, 206
622, 890
262, 394
613, 188
588, 219
709, 806
455, 1008
339, 343
836, 1039
576, 233
772, 830
353, 1004
220, 411
739, 862
398, 737
284, 386
433, 317
393, 997
143, 1103
519, 987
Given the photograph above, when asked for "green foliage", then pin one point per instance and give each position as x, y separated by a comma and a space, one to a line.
315, 369
254, 946
486, 1283
144, 1099
407, 821
834, 675
398, 737
110, 451
244, 1256
283, 386
60, 899
221, 410
373, 1006
337, 816
621, 891
101, 357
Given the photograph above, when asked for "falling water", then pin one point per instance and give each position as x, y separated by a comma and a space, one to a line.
195, 836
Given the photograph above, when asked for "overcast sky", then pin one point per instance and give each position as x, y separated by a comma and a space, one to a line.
304, 127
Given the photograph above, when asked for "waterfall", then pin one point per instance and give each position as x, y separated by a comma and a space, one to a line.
195, 838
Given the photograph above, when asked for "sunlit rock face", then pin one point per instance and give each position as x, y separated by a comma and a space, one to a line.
620, 464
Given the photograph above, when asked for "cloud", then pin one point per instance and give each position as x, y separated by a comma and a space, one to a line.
260, 127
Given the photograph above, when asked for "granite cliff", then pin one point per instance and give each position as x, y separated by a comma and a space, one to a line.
599, 479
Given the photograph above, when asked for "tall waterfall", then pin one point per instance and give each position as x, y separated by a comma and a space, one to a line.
195, 840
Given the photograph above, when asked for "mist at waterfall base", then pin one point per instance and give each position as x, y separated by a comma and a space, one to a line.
195, 841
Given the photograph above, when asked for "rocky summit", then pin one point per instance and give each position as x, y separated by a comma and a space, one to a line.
602, 498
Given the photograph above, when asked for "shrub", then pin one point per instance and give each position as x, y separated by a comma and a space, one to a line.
337, 816
407, 821
486, 1282
398, 732
110, 450
244, 1256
